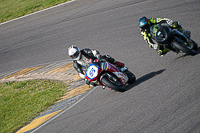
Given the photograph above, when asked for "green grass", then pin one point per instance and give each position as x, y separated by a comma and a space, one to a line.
22, 101
10, 9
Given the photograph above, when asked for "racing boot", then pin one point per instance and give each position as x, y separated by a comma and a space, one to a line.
162, 52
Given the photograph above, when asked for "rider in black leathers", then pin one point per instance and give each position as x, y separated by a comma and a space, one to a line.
145, 24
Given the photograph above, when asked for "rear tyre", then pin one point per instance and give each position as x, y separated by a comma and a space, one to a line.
111, 84
184, 48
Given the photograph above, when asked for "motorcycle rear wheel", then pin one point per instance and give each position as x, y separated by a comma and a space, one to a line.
184, 48
106, 81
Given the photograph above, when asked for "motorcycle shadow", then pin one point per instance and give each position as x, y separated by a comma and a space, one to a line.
144, 78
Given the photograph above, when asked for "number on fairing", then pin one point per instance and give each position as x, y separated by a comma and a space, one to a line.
92, 72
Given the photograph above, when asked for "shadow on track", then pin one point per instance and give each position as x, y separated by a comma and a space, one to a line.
144, 78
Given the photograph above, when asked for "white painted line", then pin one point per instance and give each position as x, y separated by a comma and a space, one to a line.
87, 93
37, 12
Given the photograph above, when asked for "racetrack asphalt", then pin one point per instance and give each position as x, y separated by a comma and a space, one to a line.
165, 97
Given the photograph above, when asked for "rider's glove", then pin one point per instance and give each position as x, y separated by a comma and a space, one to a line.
176, 25
170, 22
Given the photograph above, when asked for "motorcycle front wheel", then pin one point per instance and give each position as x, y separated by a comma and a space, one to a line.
184, 48
195, 45
115, 85
131, 77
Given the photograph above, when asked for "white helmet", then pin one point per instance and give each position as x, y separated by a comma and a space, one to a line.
74, 52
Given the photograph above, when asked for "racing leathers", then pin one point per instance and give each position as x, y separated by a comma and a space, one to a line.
90, 54
145, 33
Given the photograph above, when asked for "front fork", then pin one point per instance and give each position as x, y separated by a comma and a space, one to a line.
189, 41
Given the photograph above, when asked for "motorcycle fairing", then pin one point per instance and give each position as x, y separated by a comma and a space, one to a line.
121, 75
92, 72
179, 34
104, 66
160, 33
113, 69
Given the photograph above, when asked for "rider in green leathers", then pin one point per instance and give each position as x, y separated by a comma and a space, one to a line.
145, 24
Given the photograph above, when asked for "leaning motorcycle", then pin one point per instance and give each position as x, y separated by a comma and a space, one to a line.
172, 39
108, 75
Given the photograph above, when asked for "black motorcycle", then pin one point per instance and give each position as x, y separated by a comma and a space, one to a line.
172, 39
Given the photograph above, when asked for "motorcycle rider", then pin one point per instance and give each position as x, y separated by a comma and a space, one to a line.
82, 58
145, 24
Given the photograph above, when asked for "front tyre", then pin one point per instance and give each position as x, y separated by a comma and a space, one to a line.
195, 45
118, 86
184, 48
131, 77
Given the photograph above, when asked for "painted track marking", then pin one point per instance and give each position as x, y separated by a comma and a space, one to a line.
37, 12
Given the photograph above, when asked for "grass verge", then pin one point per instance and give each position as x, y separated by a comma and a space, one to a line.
10, 9
22, 101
